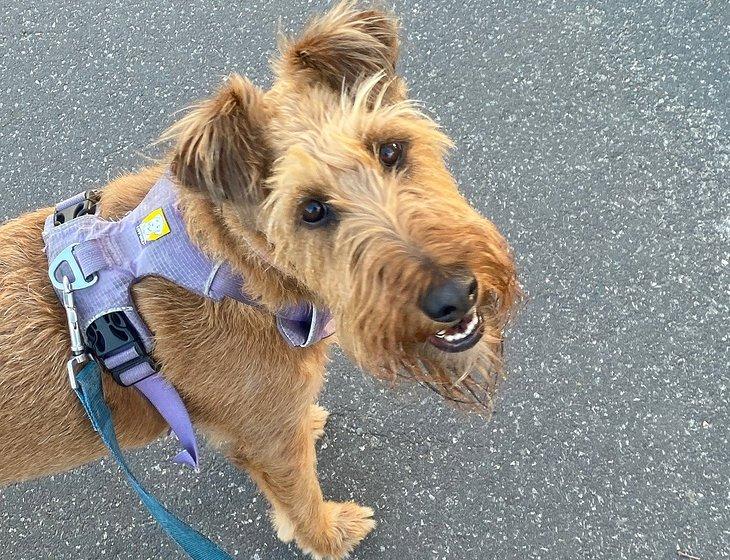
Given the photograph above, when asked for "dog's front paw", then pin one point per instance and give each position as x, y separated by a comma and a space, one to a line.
282, 525
345, 525
319, 419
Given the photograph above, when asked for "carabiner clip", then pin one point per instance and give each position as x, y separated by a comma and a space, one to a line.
79, 356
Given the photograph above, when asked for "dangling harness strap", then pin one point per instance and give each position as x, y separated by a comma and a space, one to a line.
89, 391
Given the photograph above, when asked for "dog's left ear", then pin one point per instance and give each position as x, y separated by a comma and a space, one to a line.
221, 146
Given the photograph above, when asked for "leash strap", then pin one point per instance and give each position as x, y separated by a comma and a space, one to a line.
89, 390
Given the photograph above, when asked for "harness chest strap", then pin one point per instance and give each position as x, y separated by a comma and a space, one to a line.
103, 259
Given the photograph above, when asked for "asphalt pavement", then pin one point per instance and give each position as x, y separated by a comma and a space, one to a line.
594, 134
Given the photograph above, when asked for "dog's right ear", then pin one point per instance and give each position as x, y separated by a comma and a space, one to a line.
341, 47
221, 146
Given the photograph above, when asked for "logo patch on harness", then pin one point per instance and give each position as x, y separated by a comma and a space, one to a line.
153, 227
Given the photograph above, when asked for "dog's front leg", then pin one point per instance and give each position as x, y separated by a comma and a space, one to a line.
285, 471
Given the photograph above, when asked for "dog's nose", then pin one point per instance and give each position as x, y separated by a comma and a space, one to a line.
449, 300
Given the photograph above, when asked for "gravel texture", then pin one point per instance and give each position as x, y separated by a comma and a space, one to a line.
595, 134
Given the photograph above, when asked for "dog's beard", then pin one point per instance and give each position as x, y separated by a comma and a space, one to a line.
381, 343
468, 380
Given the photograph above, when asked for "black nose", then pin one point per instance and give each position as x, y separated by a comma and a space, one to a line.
449, 300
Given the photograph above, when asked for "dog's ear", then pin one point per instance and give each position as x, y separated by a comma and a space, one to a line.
221, 145
342, 47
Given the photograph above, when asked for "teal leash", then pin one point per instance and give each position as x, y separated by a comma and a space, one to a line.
88, 388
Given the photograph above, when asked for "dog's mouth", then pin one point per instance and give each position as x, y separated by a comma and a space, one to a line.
461, 336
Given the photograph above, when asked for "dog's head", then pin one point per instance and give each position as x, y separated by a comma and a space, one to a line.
343, 181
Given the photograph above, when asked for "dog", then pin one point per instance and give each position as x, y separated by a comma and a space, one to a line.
330, 188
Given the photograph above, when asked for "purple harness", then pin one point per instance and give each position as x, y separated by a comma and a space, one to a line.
103, 259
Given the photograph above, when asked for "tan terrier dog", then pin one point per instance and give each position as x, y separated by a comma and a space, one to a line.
329, 188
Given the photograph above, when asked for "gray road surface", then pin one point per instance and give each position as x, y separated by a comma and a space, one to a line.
595, 134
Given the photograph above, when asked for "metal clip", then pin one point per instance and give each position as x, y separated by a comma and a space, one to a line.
67, 256
79, 356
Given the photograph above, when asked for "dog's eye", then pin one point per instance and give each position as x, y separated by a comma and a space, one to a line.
390, 154
315, 212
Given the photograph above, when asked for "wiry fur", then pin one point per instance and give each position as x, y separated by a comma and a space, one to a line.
341, 48
245, 161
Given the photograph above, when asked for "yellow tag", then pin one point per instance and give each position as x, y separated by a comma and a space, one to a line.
153, 227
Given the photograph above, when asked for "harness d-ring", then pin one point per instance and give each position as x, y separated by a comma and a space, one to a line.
79, 281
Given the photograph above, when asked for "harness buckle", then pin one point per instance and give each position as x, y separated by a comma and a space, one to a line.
79, 356
82, 208
112, 337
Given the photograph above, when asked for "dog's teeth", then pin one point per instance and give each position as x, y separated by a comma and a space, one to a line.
461, 335
472, 324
